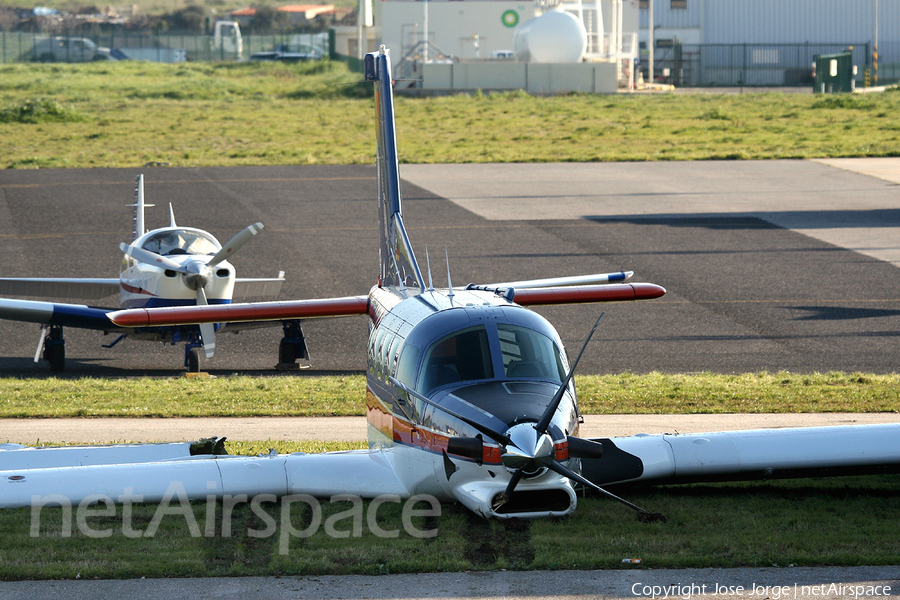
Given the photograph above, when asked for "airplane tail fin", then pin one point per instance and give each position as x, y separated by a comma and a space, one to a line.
138, 225
398, 263
138, 229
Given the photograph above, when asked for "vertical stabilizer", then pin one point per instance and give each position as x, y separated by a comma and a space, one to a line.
398, 263
138, 225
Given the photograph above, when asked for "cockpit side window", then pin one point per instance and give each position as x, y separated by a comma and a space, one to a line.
462, 356
406, 368
527, 353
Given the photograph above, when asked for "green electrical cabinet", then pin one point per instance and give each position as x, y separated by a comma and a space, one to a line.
834, 73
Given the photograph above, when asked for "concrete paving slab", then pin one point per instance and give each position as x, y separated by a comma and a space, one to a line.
850, 203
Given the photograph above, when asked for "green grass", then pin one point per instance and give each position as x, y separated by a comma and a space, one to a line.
242, 396
202, 114
801, 523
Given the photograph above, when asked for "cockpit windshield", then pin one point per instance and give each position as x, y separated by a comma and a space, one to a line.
181, 241
462, 356
465, 355
527, 353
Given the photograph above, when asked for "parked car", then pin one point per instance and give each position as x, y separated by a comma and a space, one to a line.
70, 49
286, 53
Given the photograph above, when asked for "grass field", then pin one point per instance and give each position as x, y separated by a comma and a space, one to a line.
805, 522
653, 393
200, 114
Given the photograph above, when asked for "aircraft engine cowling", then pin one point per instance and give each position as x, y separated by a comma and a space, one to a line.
554, 497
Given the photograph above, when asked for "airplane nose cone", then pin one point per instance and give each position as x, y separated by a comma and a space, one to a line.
529, 451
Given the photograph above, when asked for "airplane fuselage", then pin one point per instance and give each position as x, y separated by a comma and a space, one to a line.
479, 356
148, 285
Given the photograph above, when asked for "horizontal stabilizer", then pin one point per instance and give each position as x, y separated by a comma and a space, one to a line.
599, 278
237, 313
612, 292
88, 289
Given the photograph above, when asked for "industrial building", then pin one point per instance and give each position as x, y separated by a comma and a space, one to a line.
473, 43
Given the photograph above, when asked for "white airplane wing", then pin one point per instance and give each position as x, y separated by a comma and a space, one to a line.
194, 471
257, 288
85, 288
746, 455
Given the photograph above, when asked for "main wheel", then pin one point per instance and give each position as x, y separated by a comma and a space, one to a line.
287, 352
194, 360
56, 356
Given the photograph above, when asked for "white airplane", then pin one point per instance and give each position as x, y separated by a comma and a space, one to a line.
169, 266
470, 398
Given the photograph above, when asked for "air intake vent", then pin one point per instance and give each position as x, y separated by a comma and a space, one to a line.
523, 501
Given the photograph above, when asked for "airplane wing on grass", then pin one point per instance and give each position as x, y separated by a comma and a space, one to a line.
747, 455
157, 472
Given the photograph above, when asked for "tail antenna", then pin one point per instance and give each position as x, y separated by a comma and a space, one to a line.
449, 282
400, 277
428, 264
171, 216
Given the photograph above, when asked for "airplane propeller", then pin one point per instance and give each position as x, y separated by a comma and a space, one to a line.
528, 449
197, 273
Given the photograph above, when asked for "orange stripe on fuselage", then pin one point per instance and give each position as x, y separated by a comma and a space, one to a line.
409, 434
378, 415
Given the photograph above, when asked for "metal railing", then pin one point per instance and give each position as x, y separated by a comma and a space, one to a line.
18, 46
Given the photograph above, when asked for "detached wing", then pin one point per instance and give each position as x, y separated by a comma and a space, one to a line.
88, 289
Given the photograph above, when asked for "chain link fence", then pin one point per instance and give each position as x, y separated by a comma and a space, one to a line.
756, 65
17, 46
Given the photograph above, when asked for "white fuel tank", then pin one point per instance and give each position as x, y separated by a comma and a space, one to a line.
554, 37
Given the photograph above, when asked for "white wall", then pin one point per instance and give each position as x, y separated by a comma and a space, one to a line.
451, 25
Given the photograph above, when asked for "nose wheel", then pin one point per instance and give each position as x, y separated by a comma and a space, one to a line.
55, 349
292, 347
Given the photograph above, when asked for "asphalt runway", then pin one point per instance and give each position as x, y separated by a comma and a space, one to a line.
768, 264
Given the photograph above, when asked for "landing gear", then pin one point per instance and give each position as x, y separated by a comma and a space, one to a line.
292, 347
55, 349
192, 354
192, 360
